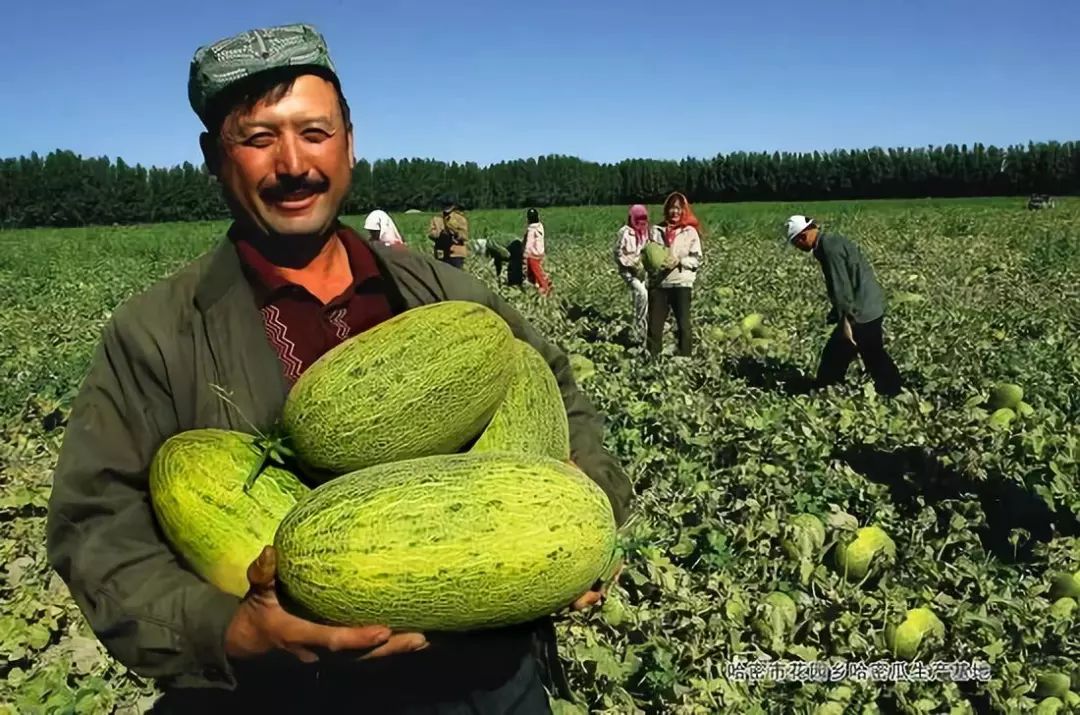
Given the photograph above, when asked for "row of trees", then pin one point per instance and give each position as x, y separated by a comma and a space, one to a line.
65, 189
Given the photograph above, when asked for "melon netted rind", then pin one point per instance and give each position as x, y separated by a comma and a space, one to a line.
446, 543
653, 256
197, 494
532, 417
425, 382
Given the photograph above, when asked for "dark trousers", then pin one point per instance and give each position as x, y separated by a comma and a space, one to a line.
661, 302
870, 346
521, 693
458, 262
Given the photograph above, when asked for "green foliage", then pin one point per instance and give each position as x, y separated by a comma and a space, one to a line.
723, 448
65, 189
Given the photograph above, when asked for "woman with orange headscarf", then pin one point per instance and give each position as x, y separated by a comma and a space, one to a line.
672, 287
631, 239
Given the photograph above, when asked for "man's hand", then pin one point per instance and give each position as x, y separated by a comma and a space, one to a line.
595, 596
847, 331
261, 625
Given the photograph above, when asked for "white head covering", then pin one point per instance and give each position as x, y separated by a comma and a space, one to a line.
379, 220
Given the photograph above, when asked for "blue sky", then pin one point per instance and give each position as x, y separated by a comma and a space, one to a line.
603, 80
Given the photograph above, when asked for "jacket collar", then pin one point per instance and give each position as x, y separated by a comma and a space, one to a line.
224, 272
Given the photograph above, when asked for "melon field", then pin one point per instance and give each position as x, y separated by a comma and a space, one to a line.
725, 448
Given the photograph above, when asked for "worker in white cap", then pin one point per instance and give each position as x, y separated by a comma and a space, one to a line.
858, 307
381, 227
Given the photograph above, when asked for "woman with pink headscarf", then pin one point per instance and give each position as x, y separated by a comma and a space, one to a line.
631, 239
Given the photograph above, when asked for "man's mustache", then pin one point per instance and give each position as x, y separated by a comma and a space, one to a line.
284, 187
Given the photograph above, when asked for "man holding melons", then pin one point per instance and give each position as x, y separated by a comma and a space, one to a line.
287, 284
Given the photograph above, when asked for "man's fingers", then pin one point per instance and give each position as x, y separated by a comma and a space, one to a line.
589, 599
335, 638
303, 654
263, 569
399, 643
357, 638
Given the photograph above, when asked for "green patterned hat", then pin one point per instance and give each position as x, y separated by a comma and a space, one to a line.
215, 67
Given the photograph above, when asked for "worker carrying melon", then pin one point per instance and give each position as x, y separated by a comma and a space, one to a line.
449, 232
858, 307
287, 282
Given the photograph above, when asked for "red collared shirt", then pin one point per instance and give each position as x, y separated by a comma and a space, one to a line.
299, 326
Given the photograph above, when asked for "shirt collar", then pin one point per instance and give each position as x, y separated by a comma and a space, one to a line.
268, 284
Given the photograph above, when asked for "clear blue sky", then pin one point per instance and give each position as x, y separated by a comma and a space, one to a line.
604, 80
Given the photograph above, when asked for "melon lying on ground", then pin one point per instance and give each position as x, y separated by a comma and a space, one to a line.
447, 543
1065, 585
424, 382
532, 417
1005, 395
775, 619
197, 490
871, 551
904, 640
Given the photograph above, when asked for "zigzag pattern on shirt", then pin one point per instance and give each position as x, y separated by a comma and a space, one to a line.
337, 319
286, 349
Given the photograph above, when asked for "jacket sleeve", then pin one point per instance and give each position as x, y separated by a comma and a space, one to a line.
154, 616
624, 257
692, 259
434, 228
839, 268
586, 425
532, 240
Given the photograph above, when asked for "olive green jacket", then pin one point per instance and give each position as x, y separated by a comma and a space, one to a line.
151, 377
853, 288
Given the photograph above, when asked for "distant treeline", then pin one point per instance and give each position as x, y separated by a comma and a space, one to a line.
65, 189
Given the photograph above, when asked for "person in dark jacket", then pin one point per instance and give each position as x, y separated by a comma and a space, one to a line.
288, 282
858, 307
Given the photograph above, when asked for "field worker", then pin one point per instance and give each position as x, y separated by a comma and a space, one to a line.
632, 237
286, 283
449, 231
858, 307
515, 265
534, 252
381, 227
680, 233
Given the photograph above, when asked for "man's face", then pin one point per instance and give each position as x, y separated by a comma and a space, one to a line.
805, 241
286, 167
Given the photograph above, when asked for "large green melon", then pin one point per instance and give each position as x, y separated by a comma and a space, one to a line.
425, 382
653, 256
532, 417
197, 492
446, 543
